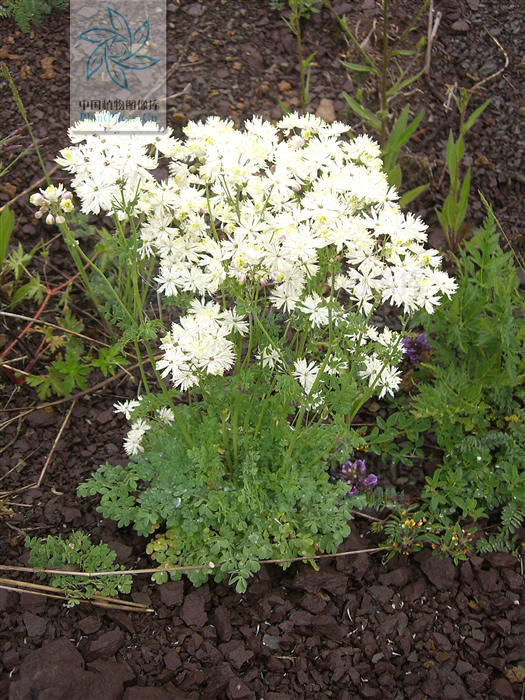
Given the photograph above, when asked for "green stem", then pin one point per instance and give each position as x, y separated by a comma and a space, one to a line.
73, 243
142, 369
226, 441
167, 395
297, 32
235, 424
7, 75
384, 77
346, 29
265, 403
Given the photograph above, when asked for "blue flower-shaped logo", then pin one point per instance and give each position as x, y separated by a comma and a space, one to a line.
117, 49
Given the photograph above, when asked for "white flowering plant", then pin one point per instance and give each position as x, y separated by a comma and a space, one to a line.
271, 249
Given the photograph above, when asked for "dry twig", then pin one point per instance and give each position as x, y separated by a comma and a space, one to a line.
52, 592
167, 569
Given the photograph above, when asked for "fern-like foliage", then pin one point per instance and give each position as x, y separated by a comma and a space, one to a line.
30, 12
472, 392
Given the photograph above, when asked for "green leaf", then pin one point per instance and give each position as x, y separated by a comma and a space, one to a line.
32, 290
394, 177
452, 161
308, 60
109, 360
284, 108
463, 199
401, 133
7, 223
360, 68
402, 84
402, 52
364, 113
460, 148
442, 221
412, 194
475, 116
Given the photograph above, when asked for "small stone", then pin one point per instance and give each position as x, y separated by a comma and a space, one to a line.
477, 682
123, 551
413, 591
301, 618
461, 26
503, 689
313, 603
441, 572
326, 626
222, 622
35, 625
89, 625
463, 667
194, 10
253, 58
124, 621
41, 419
238, 690
284, 87
271, 641
396, 578
393, 625
172, 661
53, 663
193, 612
10, 659
343, 8
172, 593
503, 560
326, 111
236, 653
312, 581
105, 646
9, 600
381, 593
121, 671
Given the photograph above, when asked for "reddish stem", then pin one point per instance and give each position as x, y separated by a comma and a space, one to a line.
49, 293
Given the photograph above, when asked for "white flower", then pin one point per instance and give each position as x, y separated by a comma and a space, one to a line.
132, 444
269, 357
97, 193
306, 374
232, 322
313, 306
165, 414
389, 381
127, 407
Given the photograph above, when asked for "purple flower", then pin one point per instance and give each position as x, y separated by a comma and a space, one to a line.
414, 347
354, 474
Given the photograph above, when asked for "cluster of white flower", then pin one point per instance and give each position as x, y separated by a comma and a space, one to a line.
140, 426
53, 201
200, 343
261, 207
111, 169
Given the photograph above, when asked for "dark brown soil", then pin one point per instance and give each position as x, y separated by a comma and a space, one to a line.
415, 627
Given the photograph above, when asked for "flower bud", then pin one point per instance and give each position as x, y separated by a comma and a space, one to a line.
36, 199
